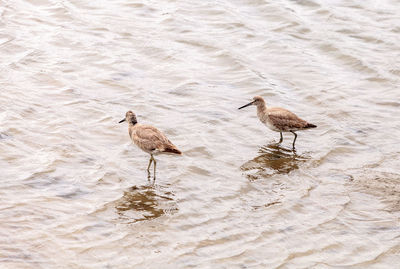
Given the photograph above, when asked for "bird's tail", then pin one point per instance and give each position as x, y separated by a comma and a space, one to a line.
310, 125
173, 150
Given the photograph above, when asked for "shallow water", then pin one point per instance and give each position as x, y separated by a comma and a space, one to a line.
74, 190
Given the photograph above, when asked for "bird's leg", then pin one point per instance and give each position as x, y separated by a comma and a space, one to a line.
295, 137
148, 176
280, 140
151, 159
155, 163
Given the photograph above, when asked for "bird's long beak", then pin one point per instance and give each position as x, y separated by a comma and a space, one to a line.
122, 120
249, 104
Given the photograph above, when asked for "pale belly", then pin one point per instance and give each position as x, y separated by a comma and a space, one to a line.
271, 126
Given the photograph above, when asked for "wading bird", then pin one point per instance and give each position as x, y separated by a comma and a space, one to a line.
149, 139
279, 119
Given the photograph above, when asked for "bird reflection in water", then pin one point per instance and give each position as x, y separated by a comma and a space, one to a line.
273, 159
145, 203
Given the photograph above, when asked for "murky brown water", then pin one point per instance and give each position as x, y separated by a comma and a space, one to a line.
74, 190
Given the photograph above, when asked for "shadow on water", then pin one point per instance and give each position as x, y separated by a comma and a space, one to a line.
145, 202
273, 159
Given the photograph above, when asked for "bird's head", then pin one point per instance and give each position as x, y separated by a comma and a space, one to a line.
257, 100
130, 117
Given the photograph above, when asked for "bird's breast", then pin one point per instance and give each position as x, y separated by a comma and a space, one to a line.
270, 125
263, 116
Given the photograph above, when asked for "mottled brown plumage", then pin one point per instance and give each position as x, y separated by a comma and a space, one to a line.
279, 119
149, 139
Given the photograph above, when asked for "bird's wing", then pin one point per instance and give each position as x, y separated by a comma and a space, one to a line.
286, 120
151, 138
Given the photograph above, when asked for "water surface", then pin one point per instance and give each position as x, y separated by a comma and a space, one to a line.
74, 190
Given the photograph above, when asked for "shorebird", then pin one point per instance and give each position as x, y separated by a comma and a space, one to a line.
279, 119
149, 139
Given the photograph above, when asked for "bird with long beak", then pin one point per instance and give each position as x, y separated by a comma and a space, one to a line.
279, 119
149, 139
